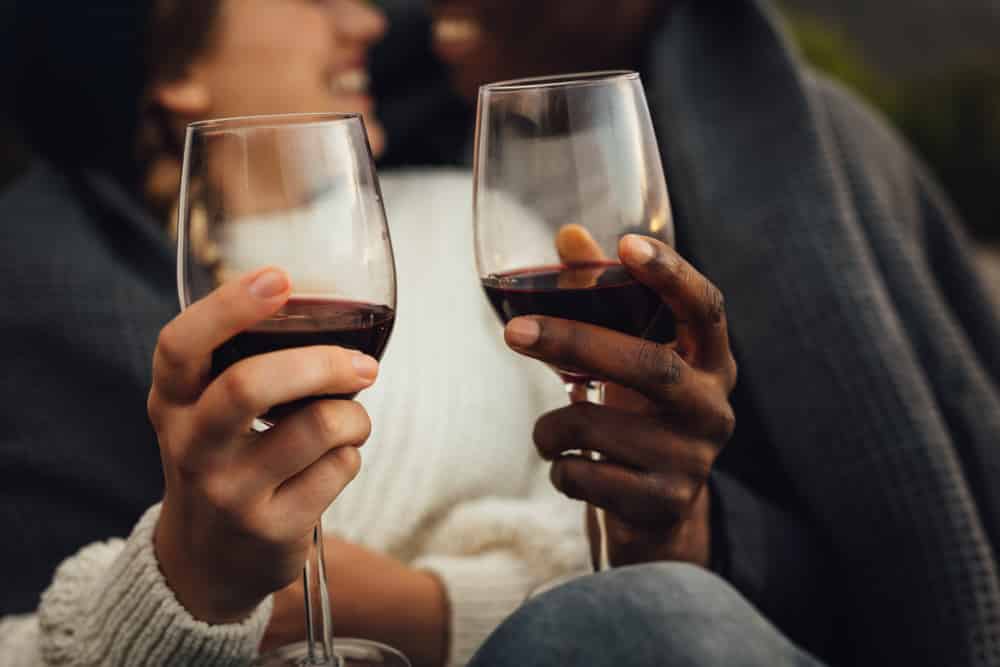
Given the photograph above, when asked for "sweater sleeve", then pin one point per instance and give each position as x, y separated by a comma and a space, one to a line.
492, 553
109, 605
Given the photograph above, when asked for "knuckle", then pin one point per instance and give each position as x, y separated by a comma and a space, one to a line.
542, 434
335, 359
169, 346
670, 496
364, 424
232, 304
659, 364
713, 304
572, 427
701, 461
569, 344
731, 373
565, 476
238, 386
668, 266
631, 507
350, 462
257, 525
724, 424
350, 420
217, 491
326, 420
580, 426
155, 410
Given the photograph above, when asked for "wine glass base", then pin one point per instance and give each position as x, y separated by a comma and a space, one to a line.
350, 653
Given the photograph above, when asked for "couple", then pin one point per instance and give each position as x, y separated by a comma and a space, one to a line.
850, 517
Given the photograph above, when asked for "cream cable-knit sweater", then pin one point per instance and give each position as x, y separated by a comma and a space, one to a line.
450, 483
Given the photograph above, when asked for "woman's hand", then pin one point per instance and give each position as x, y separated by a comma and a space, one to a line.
666, 417
240, 506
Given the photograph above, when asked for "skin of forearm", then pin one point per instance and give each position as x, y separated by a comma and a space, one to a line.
372, 597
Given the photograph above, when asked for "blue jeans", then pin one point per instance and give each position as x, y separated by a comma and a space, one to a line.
662, 615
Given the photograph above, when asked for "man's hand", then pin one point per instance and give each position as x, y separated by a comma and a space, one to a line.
666, 417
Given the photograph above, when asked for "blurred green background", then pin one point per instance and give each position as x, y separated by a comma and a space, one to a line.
934, 70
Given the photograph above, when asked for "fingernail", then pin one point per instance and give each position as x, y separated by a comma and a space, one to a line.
640, 249
366, 367
523, 332
269, 284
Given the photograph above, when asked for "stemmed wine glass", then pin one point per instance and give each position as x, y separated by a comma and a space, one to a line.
564, 167
300, 192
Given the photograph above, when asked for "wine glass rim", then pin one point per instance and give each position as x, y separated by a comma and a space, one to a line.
572, 80
263, 121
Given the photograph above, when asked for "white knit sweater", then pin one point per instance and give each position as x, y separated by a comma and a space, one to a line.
451, 482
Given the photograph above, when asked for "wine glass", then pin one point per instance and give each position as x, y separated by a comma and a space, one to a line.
564, 167
299, 192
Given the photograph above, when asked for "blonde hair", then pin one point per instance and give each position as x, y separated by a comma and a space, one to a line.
181, 30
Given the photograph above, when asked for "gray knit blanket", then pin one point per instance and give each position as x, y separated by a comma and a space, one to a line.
872, 346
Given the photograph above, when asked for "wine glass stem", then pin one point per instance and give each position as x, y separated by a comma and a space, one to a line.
593, 392
321, 652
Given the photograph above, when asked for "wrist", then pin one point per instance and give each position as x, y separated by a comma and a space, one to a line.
197, 589
688, 540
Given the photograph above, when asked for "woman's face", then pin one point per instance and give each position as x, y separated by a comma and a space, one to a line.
283, 56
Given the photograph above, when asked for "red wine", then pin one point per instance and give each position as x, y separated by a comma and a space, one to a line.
305, 322
600, 293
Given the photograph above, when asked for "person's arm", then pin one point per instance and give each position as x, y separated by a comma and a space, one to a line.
373, 596
477, 565
109, 605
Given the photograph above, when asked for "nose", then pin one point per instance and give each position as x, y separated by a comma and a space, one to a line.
358, 21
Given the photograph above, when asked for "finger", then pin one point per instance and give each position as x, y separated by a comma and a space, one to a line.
182, 360
576, 246
302, 500
644, 500
256, 384
636, 441
697, 304
303, 438
655, 370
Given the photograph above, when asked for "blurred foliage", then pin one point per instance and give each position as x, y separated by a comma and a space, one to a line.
952, 118
829, 50
954, 122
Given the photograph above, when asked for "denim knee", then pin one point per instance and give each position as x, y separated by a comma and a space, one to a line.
663, 614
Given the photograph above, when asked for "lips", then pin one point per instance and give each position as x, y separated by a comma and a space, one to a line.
351, 82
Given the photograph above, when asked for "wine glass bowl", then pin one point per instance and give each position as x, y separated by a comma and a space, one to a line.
564, 167
298, 192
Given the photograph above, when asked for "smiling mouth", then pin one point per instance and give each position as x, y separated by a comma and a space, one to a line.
351, 82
